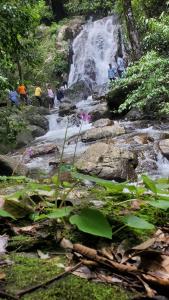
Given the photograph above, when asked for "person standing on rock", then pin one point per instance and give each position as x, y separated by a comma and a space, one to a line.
59, 94
38, 94
120, 65
51, 96
111, 73
14, 97
23, 93
64, 80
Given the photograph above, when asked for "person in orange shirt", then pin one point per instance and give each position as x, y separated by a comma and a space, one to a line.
23, 93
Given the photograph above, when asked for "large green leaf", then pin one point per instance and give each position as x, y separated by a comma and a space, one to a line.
5, 214
162, 204
136, 222
92, 221
116, 187
59, 212
149, 184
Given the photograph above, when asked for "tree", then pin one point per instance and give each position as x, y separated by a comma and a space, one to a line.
131, 29
18, 21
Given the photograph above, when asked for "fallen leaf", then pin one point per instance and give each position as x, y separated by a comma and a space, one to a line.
42, 255
66, 244
2, 275
84, 272
3, 243
147, 244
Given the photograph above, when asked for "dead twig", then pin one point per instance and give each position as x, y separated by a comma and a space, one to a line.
5, 295
44, 284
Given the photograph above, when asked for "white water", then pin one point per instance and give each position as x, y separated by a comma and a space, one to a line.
94, 49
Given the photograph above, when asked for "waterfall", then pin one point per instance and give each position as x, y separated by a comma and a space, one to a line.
94, 49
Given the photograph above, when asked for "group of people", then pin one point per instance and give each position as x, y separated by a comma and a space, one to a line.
115, 72
20, 95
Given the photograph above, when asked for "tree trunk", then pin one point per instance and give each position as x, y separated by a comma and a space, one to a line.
19, 69
131, 29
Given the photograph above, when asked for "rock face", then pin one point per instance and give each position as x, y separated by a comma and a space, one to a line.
9, 165
94, 134
38, 120
134, 114
108, 162
103, 123
66, 109
43, 149
100, 91
23, 138
78, 91
164, 147
36, 131
99, 111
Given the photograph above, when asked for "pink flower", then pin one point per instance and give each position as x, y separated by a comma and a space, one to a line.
85, 117
29, 152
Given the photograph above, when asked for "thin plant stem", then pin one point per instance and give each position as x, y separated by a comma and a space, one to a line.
115, 232
63, 148
74, 156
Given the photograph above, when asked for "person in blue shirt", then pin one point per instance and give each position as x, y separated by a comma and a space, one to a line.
121, 65
111, 73
14, 98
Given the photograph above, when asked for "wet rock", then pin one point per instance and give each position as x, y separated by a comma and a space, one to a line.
23, 138
43, 149
9, 165
99, 111
100, 91
78, 91
36, 131
33, 110
66, 109
108, 161
164, 147
134, 114
38, 120
94, 134
103, 123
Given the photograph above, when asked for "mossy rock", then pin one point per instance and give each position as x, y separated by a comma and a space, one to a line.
27, 271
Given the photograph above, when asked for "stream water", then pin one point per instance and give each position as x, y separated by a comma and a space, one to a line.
93, 49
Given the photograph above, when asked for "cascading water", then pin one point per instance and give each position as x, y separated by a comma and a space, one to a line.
94, 49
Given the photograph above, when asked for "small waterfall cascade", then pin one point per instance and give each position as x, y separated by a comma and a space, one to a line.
94, 49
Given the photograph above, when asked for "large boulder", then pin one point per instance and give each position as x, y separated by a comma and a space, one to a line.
9, 166
38, 120
36, 131
134, 114
66, 108
99, 111
36, 110
94, 134
23, 138
103, 123
78, 91
164, 147
42, 149
100, 91
109, 162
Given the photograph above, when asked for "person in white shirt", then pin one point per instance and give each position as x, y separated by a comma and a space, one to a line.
51, 97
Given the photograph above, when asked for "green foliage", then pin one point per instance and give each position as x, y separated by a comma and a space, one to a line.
138, 223
5, 214
88, 7
92, 221
151, 93
157, 37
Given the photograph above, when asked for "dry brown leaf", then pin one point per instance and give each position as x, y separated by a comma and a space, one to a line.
84, 272
43, 255
66, 244
150, 292
147, 244
86, 251
2, 275
108, 279
156, 280
26, 229
106, 252
121, 254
